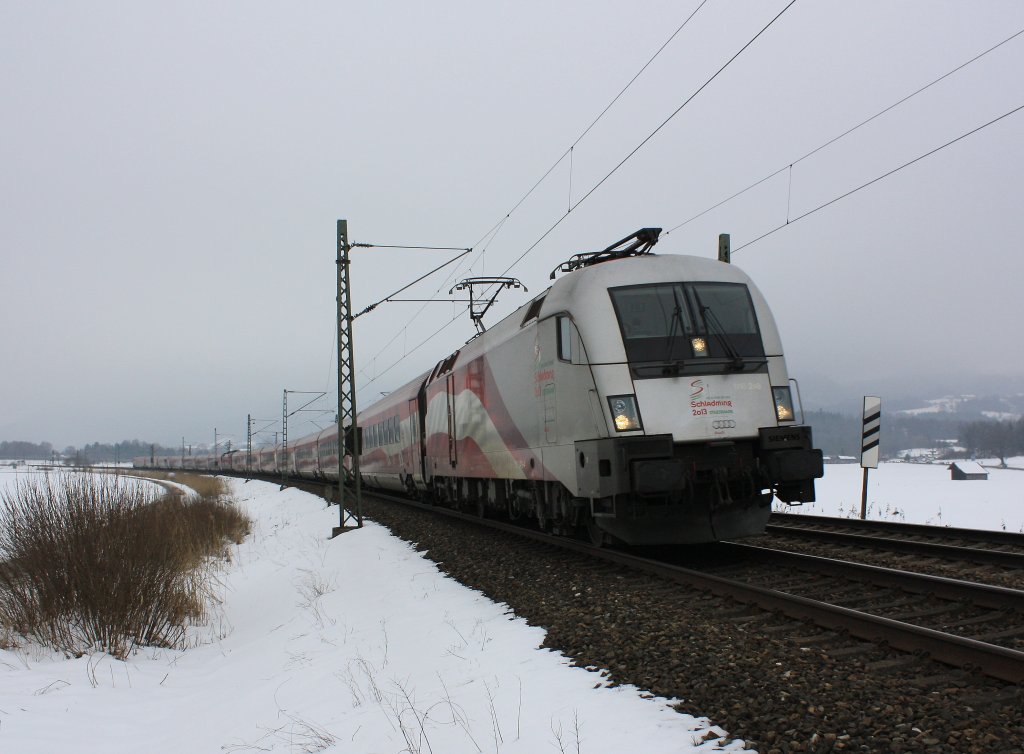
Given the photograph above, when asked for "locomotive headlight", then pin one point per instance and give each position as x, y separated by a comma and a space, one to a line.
783, 403
700, 346
625, 413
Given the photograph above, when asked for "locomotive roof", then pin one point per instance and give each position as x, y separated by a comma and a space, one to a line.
565, 293
583, 294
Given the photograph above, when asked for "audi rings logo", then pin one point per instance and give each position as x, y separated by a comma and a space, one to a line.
723, 424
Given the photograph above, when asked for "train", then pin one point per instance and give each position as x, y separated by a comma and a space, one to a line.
641, 399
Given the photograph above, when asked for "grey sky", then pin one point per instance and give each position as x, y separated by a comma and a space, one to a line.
172, 174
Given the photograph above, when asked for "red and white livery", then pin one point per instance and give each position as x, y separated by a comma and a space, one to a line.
641, 398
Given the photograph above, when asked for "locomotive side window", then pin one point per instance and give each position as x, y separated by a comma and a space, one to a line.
564, 339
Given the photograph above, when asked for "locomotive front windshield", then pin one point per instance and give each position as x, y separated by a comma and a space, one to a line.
688, 327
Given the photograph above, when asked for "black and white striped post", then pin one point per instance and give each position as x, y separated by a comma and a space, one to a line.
870, 436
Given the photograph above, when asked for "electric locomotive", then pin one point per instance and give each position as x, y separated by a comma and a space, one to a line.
643, 398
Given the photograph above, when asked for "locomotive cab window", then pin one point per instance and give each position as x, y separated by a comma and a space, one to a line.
672, 328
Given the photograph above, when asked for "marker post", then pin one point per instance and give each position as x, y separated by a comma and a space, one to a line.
870, 435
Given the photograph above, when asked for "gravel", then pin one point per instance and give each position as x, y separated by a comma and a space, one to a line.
779, 685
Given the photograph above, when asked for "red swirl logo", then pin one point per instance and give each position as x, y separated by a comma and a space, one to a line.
698, 388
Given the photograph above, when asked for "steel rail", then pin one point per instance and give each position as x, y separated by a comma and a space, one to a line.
932, 549
898, 527
984, 595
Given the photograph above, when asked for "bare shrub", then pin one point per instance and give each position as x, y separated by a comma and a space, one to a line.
91, 562
210, 488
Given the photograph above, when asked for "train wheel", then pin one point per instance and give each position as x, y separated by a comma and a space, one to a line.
597, 535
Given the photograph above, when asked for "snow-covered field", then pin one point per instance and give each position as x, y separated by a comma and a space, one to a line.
359, 644
356, 644
921, 493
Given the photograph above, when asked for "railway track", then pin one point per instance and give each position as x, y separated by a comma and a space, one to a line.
955, 622
998, 548
781, 683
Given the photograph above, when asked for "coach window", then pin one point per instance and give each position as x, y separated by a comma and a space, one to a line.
564, 338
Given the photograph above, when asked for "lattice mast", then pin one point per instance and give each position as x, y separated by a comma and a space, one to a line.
348, 430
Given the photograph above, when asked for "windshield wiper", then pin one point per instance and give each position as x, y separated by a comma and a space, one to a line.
677, 325
711, 320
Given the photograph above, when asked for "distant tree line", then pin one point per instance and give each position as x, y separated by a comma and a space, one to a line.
124, 451
835, 433
92, 453
840, 434
20, 450
994, 438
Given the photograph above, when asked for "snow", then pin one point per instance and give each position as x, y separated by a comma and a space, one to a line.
945, 405
923, 493
354, 644
1001, 415
360, 644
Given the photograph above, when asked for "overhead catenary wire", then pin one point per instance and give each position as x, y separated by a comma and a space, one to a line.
493, 232
847, 132
398, 246
651, 135
371, 307
374, 305
488, 237
568, 152
319, 395
404, 328
419, 345
879, 178
636, 149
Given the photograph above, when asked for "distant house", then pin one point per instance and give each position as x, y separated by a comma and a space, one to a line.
961, 470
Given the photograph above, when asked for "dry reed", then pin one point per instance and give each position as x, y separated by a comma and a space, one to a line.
107, 563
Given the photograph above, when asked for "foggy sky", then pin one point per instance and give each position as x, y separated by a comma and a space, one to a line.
172, 174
